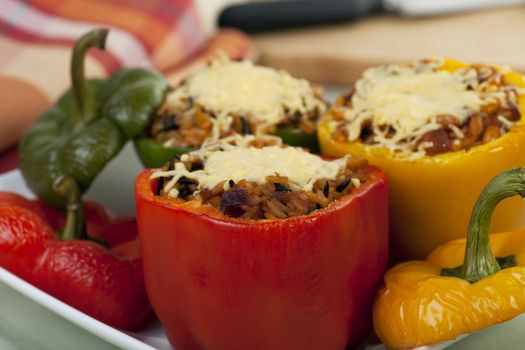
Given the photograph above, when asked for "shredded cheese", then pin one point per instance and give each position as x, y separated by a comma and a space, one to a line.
457, 131
233, 159
400, 103
230, 87
507, 123
408, 100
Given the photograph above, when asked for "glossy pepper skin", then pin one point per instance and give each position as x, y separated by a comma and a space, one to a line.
298, 138
421, 306
106, 284
301, 283
434, 194
89, 124
101, 224
154, 154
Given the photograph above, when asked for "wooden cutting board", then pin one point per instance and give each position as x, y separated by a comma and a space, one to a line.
339, 53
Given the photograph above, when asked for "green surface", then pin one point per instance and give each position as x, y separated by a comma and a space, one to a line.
509, 336
26, 325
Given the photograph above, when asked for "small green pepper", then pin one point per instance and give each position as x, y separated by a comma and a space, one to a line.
155, 154
89, 124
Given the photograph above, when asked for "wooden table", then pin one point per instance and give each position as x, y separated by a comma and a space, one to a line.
338, 54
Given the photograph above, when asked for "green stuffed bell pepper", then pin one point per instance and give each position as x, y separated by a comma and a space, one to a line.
228, 97
155, 154
89, 124
298, 138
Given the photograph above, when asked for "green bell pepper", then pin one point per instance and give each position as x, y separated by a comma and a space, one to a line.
298, 138
88, 126
155, 154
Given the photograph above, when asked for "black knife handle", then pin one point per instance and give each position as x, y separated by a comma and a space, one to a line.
269, 15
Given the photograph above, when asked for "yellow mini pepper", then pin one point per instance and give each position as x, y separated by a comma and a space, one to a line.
426, 302
431, 197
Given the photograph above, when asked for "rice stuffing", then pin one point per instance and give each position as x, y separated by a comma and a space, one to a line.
257, 178
420, 109
228, 97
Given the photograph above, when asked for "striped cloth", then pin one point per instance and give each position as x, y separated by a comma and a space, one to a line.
36, 38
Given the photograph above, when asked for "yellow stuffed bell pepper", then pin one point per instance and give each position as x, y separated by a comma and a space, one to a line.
462, 286
431, 196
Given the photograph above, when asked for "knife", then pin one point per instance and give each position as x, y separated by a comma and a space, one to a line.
258, 16
270, 15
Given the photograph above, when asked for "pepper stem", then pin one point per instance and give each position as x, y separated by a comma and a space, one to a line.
75, 227
479, 260
84, 98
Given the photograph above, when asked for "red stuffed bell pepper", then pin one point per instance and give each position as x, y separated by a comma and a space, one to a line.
106, 284
262, 248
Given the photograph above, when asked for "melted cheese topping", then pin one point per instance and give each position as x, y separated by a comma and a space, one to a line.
241, 162
409, 100
402, 102
265, 94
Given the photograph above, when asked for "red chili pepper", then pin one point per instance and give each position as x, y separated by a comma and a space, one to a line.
305, 282
101, 225
106, 284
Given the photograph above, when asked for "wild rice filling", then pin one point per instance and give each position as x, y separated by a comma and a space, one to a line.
254, 193
424, 110
230, 97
